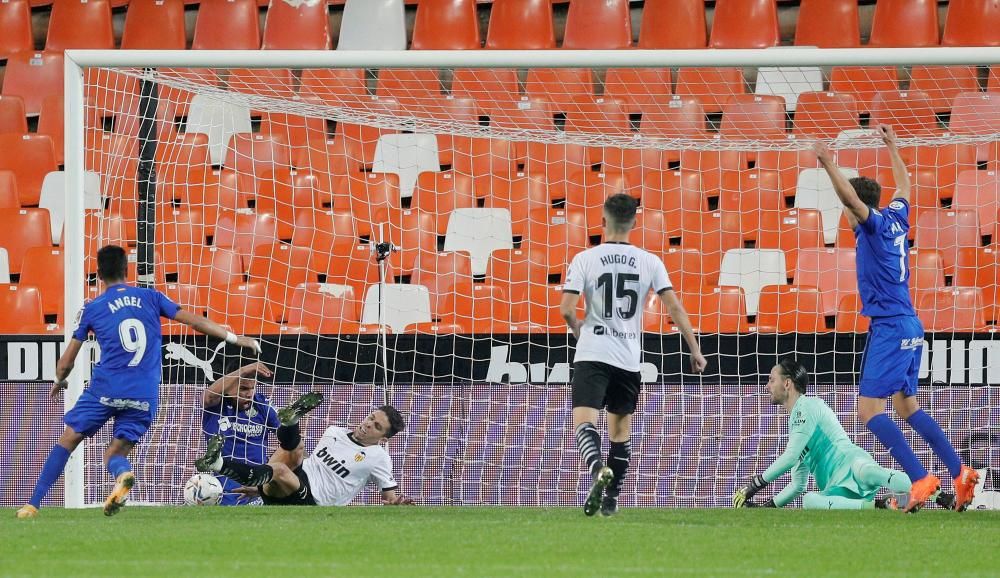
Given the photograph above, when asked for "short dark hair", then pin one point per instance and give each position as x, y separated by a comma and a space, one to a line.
620, 209
396, 423
792, 369
112, 263
869, 191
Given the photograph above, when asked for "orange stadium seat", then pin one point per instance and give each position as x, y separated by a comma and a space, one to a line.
539, 307
22, 229
349, 264
910, 112
972, 23
638, 90
825, 114
598, 25
951, 309
478, 308
190, 297
711, 86
690, 269
297, 26
270, 82
515, 268
521, 25
926, 269
177, 158
564, 88
334, 86
21, 306
484, 158
790, 309
177, 227
828, 24
80, 24
243, 307
243, 232
281, 267
154, 25
52, 125
256, 154
904, 23
15, 21
980, 267
8, 191
406, 85
673, 24
323, 308
488, 87
684, 117
718, 232
753, 116
43, 268
673, 191
791, 230
750, 190
654, 230
717, 309
230, 25
319, 229
441, 193
33, 76
943, 83
745, 24
520, 197
586, 191
440, 273
832, 271
556, 162
446, 25
975, 113
414, 232
564, 232
208, 266
12, 116
979, 191
849, 317
863, 82
369, 193
947, 231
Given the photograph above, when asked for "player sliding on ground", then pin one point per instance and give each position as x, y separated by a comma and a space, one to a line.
846, 475
892, 354
125, 384
615, 278
341, 465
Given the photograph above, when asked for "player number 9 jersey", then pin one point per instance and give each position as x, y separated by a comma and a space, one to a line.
615, 279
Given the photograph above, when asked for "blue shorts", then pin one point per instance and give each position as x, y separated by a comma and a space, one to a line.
132, 416
891, 360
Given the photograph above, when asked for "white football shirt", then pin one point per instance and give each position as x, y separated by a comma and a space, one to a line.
615, 279
338, 469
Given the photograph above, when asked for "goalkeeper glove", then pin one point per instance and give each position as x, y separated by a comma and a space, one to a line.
757, 483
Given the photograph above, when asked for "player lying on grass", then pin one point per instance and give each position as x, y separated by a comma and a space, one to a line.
125, 384
341, 465
895, 341
233, 408
847, 477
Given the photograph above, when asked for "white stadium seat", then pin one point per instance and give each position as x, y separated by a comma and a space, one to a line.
53, 192
403, 305
479, 232
373, 25
406, 155
814, 190
219, 120
753, 269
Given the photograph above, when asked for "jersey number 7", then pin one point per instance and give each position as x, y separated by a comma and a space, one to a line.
613, 289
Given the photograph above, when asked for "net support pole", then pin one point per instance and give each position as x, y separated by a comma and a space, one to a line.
382, 251
73, 254
146, 183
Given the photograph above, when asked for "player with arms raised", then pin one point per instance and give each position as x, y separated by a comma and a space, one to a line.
125, 383
341, 465
615, 278
846, 475
891, 360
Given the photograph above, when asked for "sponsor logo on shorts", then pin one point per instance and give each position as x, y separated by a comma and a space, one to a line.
125, 403
911, 343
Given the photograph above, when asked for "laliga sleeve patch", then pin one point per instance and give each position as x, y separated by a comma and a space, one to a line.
896, 205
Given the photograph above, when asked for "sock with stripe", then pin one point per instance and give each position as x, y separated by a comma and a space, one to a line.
619, 455
929, 429
588, 441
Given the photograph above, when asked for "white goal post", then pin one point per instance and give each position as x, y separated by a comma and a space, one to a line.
141, 63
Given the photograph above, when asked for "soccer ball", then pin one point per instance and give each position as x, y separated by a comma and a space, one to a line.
202, 490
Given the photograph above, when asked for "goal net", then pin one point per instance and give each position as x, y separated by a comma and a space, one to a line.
263, 197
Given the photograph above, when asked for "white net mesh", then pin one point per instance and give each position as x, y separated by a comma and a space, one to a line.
270, 187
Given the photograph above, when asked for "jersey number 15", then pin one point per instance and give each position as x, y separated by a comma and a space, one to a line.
617, 288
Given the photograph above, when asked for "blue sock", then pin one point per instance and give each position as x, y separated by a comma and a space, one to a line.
51, 471
934, 436
892, 438
118, 465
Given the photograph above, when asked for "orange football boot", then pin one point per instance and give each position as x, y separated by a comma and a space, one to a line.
118, 496
922, 490
965, 488
26, 512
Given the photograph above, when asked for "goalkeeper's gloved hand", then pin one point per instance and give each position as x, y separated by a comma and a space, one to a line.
756, 484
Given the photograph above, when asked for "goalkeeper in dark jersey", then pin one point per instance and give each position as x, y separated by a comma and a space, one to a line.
847, 477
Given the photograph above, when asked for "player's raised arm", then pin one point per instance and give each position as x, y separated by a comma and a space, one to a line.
212, 329
899, 173
680, 317
855, 209
228, 385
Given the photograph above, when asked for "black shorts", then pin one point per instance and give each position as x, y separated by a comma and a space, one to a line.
302, 497
599, 385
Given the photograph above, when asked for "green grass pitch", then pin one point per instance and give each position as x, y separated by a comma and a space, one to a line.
479, 541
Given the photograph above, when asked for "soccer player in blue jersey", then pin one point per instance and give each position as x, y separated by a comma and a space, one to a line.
892, 354
233, 408
125, 384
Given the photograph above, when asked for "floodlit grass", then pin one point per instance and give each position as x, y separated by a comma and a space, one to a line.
474, 541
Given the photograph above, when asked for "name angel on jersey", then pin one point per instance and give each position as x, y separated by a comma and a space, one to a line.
125, 301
